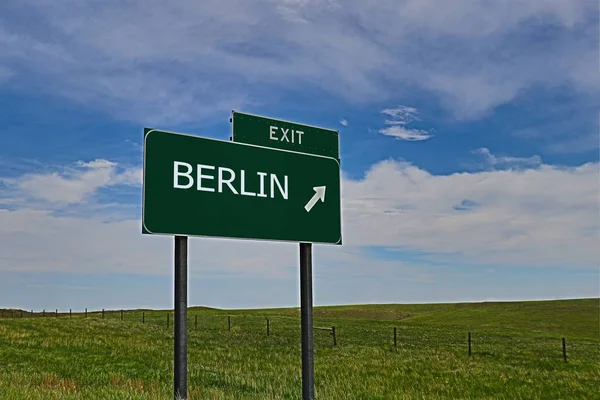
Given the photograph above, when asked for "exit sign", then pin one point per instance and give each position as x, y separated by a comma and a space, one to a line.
285, 135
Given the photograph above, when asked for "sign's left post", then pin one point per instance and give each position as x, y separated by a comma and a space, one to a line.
181, 275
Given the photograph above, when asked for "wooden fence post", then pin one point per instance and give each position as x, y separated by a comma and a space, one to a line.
103, 313
143, 317
564, 346
334, 337
43, 312
395, 342
56, 315
268, 327
196, 322
469, 338
121, 315
228, 323
21, 313
167, 320
70, 313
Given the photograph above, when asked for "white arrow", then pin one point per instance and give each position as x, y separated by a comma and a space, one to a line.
319, 195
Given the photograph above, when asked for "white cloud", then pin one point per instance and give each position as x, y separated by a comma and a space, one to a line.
401, 114
400, 117
474, 55
400, 132
344, 122
543, 216
41, 242
96, 164
494, 161
75, 184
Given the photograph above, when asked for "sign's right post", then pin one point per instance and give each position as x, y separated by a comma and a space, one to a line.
306, 322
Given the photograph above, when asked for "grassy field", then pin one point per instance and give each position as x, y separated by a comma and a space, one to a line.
516, 353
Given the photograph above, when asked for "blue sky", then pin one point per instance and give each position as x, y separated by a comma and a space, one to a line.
469, 137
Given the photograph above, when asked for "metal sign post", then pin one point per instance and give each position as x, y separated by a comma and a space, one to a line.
181, 263
306, 322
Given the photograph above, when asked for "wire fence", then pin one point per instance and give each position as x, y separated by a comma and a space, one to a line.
334, 332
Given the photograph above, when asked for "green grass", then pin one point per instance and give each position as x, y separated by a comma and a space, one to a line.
517, 353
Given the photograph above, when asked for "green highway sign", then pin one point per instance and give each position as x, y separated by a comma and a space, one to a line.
195, 186
279, 134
